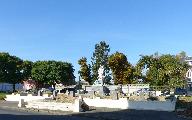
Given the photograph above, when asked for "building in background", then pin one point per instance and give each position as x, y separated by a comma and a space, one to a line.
29, 84
189, 73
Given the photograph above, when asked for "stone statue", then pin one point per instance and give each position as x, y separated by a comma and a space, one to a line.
100, 76
101, 72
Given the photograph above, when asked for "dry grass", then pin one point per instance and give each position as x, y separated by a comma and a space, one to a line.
146, 98
65, 98
184, 102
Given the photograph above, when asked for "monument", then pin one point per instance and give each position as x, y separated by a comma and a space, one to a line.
101, 76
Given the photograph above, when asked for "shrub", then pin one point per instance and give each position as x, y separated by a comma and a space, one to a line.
2, 96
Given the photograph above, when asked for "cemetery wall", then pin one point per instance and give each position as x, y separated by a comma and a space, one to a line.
9, 87
108, 103
29, 97
123, 103
50, 106
75, 107
152, 105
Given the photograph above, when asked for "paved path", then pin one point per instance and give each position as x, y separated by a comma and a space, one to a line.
7, 114
136, 115
9, 111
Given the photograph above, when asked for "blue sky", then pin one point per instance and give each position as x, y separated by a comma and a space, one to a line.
68, 29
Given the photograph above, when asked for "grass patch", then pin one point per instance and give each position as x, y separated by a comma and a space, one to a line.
2, 95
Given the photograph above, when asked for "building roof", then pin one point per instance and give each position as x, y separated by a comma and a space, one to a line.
188, 59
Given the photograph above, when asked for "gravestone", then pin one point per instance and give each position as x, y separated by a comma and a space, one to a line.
91, 93
23, 94
106, 90
40, 93
152, 93
94, 93
66, 92
55, 93
114, 95
72, 93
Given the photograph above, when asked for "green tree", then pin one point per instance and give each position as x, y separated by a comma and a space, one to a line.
122, 70
67, 73
85, 70
39, 72
49, 72
143, 66
26, 69
3, 66
10, 69
173, 71
100, 58
163, 70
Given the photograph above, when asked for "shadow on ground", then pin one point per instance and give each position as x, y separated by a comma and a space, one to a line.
113, 115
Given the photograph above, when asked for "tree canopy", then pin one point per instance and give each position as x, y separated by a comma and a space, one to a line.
121, 69
163, 70
85, 70
10, 69
26, 69
100, 58
49, 72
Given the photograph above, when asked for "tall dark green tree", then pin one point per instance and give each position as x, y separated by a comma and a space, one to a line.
85, 70
3, 66
26, 69
100, 58
10, 69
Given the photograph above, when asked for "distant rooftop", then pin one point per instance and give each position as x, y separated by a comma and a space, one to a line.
188, 58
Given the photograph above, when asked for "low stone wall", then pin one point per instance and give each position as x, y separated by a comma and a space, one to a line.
29, 97
75, 107
124, 103
50, 105
108, 103
152, 105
